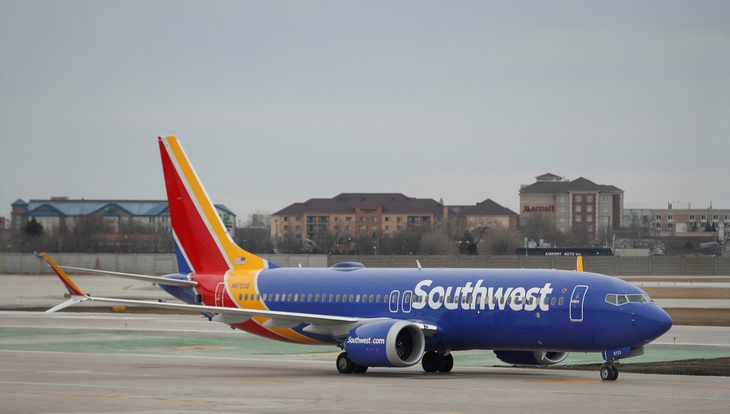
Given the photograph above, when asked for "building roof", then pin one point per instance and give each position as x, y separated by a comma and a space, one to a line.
137, 208
488, 208
345, 203
578, 185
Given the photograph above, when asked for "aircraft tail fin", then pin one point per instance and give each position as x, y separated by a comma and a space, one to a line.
202, 241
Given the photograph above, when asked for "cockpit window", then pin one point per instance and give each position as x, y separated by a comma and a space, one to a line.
618, 299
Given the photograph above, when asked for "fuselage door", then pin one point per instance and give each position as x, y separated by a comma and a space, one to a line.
407, 298
576, 303
220, 294
393, 305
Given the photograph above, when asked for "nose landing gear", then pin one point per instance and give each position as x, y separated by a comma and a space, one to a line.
609, 372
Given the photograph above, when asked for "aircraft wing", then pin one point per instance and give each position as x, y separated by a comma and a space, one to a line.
146, 278
329, 324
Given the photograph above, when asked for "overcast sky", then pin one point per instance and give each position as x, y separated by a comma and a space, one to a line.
278, 102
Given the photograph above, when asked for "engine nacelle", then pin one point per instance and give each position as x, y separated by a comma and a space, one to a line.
531, 357
388, 343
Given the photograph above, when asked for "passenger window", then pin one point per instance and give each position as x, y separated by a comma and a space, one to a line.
276, 298
377, 299
288, 297
357, 299
552, 301
561, 301
316, 297
296, 297
371, 298
337, 298
309, 297
352, 297
332, 297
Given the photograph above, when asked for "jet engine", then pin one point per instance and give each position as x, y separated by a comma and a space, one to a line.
388, 343
531, 357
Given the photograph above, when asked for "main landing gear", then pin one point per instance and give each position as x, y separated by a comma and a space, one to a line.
346, 366
434, 361
609, 372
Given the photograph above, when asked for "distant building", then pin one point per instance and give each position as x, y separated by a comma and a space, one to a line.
355, 215
578, 203
701, 224
487, 214
60, 214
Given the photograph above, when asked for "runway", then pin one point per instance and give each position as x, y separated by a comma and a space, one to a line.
85, 362
49, 382
151, 363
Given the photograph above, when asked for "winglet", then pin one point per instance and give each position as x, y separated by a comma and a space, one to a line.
70, 285
579, 264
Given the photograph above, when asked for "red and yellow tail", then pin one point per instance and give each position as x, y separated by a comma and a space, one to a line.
201, 237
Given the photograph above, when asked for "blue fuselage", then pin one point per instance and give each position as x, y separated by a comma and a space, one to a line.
506, 309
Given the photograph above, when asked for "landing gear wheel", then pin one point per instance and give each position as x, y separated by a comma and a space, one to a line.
609, 373
447, 362
431, 361
360, 369
344, 364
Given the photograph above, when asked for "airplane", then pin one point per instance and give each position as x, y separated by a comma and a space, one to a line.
383, 317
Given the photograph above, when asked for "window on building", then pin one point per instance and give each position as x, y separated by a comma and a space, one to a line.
589, 198
589, 219
373, 219
670, 226
605, 209
578, 218
578, 198
658, 226
715, 218
589, 209
703, 217
692, 217
562, 209
670, 217
388, 228
578, 209
658, 217
561, 199
605, 219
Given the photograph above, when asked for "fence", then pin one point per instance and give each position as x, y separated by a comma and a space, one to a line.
157, 264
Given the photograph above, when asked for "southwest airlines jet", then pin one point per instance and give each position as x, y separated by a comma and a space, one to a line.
390, 317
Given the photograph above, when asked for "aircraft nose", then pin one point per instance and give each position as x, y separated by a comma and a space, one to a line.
654, 323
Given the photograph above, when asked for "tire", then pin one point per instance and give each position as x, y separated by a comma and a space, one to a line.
606, 373
447, 363
614, 377
344, 365
360, 369
431, 361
